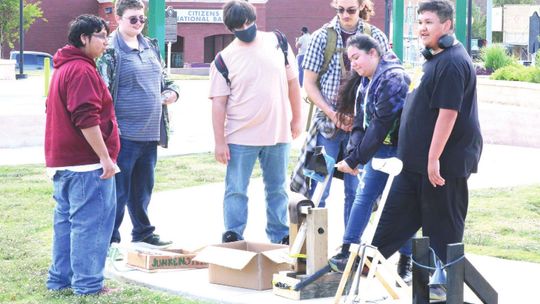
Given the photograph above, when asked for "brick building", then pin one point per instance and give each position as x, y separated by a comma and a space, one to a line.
201, 33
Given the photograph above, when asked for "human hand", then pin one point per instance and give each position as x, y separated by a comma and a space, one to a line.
344, 167
168, 97
434, 175
296, 128
222, 154
346, 124
109, 169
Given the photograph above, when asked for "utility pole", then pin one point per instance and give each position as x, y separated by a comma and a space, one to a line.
21, 74
156, 23
397, 28
461, 20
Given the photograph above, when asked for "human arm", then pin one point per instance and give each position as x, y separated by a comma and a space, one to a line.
221, 150
95, 139
315, 96
296, 107
384, 108
443, 128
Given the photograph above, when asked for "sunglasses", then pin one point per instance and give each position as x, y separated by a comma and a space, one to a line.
350, 10
134, 19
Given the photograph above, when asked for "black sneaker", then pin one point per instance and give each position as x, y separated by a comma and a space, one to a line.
404, 268
339, 261
230, 236
153, 241
285, 240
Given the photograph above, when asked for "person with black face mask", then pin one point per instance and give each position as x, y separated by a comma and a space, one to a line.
256, 113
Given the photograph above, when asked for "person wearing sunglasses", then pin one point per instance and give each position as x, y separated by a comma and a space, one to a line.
133, 70
322, 79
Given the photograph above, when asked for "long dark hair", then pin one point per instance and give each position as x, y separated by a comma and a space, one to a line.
347, 91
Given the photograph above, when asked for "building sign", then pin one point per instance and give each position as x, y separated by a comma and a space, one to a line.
199, 16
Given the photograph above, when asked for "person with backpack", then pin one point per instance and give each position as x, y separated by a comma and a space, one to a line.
374, 94
256, 112
326, 65
132, 68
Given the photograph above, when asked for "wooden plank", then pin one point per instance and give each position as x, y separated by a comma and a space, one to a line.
323, 287
346, 273
479, 285
317, 240
420, 275
455, 274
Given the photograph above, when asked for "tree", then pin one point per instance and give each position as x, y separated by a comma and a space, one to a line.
479, 23
9, 20
504, 2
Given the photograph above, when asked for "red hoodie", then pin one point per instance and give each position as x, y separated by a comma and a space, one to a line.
78, 99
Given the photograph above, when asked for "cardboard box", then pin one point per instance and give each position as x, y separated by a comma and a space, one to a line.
154, 259
244, 264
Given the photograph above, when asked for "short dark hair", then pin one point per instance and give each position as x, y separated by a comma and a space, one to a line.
365, 43
236, 13
304, 29
443, 9
123, 5
85, 25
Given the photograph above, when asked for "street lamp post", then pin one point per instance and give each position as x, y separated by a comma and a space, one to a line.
21, 74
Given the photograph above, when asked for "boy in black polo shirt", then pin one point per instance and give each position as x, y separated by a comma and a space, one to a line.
439, 142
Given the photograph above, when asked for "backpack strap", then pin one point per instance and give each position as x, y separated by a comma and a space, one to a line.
329, 50
283, 44
222, 68
366, 29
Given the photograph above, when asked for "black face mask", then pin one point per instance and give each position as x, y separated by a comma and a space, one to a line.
247, 35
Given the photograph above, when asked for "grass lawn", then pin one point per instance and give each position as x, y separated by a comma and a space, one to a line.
501, 222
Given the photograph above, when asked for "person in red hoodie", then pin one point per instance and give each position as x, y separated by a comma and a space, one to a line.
81, 147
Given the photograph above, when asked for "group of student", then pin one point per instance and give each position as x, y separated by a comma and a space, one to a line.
367, 106
102, 123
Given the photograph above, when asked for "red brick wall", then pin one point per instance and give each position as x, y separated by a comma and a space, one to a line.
285, 15
52, 35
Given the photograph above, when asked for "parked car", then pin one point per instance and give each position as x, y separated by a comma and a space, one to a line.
32, 60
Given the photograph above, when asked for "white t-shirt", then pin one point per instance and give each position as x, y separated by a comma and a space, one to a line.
258, 106
303, 41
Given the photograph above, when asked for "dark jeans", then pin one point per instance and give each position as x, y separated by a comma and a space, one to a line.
134, 184
414, 203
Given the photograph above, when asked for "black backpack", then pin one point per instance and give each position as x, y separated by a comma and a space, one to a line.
222, 68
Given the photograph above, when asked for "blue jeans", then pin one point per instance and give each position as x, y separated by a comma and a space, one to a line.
300, 59
83, 223
134, 185
332, 147
273, 161
370, 188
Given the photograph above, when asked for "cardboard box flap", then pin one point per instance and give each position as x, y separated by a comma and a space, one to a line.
225, 257
278, 256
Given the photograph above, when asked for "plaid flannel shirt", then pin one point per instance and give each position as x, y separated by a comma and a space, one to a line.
314, 58
330, 82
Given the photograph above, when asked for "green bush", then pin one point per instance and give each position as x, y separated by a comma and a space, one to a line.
517, 73
495, 57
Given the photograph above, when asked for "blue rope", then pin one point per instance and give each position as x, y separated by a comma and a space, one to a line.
435, 259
